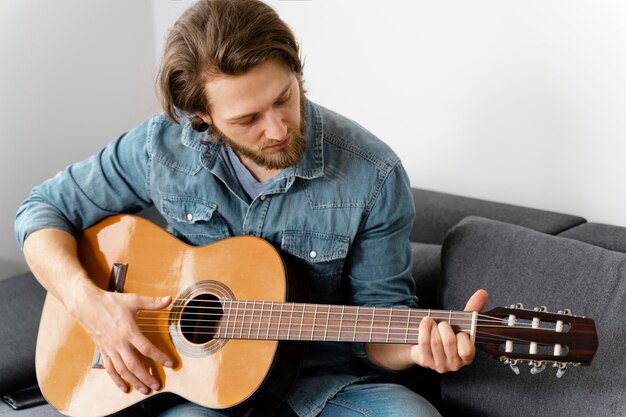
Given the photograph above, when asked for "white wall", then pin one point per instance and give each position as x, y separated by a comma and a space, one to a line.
74, 74
516, 101
520, 102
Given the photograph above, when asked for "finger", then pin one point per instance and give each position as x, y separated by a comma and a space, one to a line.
117, 379
436, 346
122, 367
453, 361
137, 366
477, 301
425, 356
465, 348
139, 341
152, 303
149, 350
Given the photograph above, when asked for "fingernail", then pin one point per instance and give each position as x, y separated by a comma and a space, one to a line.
168, 364
166, 298
143, 390
123, 388
155, 387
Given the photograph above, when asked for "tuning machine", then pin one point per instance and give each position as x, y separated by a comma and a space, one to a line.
537, 367
512, 363
561, 368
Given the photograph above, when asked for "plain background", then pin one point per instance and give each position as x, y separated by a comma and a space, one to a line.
517, 102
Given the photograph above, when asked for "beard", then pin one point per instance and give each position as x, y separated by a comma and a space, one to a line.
282, 158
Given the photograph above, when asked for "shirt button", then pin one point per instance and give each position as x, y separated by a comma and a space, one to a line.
313, 254
190, 217
263, 197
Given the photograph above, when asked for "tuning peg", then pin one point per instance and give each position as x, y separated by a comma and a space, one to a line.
518, 306
562, 368
537, 368
542, 309
513, 364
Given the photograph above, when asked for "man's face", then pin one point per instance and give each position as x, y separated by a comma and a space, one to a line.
259, 114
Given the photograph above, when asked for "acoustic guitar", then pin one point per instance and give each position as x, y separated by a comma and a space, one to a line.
239, 320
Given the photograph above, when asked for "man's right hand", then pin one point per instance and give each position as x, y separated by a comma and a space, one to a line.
109, 318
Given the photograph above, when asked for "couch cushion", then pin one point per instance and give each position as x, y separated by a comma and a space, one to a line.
437, 212
426, 266
518, 265
603, 235
21, 302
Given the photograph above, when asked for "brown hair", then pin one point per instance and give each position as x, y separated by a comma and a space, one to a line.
216, 37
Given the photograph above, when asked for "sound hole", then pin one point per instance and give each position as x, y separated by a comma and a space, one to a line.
200, 318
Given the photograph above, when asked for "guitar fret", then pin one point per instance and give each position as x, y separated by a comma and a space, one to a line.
251, 317
341, 323
226, 313
389, 325
280, 318
258, 329
235, 320
301, 323
269, 322
372, 323
314, 322
356, 323
290, 320
408, 322
327, 319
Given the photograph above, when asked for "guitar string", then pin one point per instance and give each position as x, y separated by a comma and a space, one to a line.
311, 327
401, 333
252, 308
310, 321
480, 337
345, 324
482, 320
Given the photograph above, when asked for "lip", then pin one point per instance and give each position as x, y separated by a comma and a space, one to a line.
278, 146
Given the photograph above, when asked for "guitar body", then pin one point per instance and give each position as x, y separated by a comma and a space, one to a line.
221, 374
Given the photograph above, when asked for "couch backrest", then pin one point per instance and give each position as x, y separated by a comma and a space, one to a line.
437, 212
519, 265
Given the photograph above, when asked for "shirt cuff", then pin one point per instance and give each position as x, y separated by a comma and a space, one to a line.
39, 216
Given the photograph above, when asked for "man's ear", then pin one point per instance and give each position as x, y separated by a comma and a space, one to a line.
205, 118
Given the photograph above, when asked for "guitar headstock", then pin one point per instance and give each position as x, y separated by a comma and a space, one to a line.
516, 335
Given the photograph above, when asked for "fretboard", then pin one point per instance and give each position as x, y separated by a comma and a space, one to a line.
260, 320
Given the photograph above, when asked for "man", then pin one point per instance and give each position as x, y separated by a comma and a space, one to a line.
241, 151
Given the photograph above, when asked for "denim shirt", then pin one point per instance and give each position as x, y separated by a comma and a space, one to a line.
344, 212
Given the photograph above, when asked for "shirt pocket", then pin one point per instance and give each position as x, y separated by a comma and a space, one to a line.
322, 256
194, 220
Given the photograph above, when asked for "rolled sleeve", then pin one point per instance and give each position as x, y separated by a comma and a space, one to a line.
112, 181
380, 258
380, 261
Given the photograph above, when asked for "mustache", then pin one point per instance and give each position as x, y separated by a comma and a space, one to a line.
291, 134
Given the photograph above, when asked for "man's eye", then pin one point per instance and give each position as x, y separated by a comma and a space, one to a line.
284, 98
247, 121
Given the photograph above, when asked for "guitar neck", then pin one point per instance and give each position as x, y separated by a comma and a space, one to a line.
260, 320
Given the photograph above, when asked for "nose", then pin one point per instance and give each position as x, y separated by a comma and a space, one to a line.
275, 128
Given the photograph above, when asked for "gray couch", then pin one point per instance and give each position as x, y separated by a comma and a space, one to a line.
520, 255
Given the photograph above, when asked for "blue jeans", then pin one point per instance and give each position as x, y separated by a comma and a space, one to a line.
359, 400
